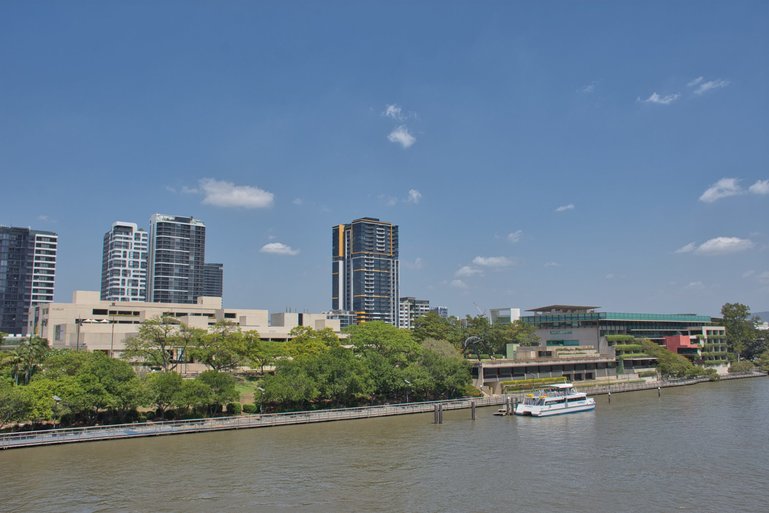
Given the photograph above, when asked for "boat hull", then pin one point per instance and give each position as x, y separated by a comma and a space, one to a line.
549, 411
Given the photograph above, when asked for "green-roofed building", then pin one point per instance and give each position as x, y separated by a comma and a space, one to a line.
574, 325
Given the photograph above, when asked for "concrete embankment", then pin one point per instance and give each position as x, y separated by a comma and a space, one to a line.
137, 430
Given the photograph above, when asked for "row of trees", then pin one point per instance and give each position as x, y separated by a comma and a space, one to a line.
379, 364
76, 388
493, 337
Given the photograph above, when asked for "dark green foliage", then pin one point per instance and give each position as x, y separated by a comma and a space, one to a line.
672, 365
250, 408
234, 408
741, 367
742, 337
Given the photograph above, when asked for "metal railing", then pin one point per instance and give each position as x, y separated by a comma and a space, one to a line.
144, 429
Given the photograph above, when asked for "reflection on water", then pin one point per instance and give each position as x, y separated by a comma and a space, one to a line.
699, 448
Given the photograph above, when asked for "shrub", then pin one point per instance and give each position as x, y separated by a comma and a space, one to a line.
234, 408
741, 366
250, 408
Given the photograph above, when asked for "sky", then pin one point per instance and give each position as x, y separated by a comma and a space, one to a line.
613, 154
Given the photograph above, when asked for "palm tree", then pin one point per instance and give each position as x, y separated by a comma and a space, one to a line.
27, 358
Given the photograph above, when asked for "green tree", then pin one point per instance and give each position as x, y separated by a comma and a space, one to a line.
306, 340
396, 345
27, 358
223, 348
158, 343
341, 376
223, 388
671, 364
291, 386
763, 361
741, 331
194, 395
16, 405
163, 390
261, 353
433, 326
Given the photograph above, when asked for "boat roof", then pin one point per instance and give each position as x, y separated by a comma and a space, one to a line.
561, 385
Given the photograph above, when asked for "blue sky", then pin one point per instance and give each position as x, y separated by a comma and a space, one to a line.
602, 153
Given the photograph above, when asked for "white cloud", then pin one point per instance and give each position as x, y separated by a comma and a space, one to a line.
298, 201
467, 271
227, 194
723, 188
717, 246
552, 264
414, 196
515, 236
724, 245
760, 187
695, 285
659, 99
390, 201
402, 136
588, 89
763, 278
610, 276
564, 208
687, 248
189, 190
416, 265
496, 261
44, 218
695, 81
458, 284
704, 87
278, 248
748, 274
394, 112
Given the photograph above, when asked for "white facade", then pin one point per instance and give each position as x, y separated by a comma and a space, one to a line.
124, 263
44, 267
410, 309
88, 323
504, 315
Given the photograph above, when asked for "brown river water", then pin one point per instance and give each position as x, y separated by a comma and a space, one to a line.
702, 448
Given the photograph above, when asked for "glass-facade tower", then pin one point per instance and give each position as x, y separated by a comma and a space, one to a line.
177, 248
365, 270
27, 274
213, 280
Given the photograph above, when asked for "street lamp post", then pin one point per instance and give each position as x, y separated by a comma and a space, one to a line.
57, 400
261, 400
78, 323
408, 386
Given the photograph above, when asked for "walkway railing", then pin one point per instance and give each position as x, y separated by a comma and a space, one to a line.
144, 429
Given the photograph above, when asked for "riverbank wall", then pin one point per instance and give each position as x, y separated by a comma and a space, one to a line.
146, 429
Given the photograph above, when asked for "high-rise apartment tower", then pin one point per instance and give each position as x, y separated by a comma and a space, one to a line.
124, 263
177, 251
27, 274
365, 270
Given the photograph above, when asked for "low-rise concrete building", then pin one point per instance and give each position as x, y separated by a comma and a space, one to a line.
573, 363
88, 323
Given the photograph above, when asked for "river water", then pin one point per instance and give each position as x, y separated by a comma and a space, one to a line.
700, 448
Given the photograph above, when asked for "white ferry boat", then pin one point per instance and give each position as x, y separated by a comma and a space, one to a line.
555, 400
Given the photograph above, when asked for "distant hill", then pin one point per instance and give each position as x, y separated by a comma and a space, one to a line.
764, 315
